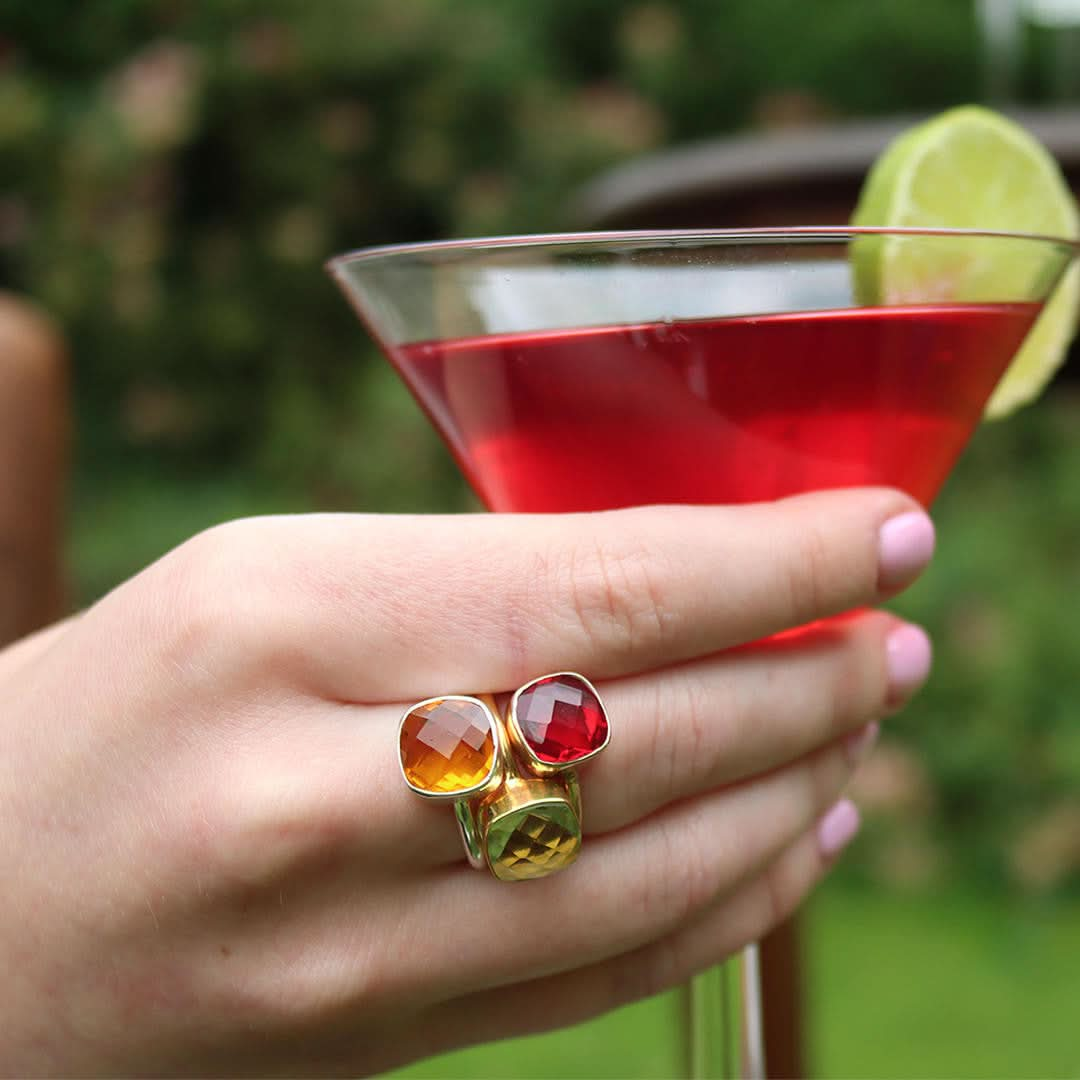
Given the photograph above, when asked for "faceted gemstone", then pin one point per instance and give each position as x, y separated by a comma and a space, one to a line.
533, 841
561, 719
447, 746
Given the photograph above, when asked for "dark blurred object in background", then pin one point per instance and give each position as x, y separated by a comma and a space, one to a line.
789, 177
33, 469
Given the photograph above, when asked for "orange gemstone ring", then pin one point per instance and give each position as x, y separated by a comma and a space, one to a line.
451, 747
515, 793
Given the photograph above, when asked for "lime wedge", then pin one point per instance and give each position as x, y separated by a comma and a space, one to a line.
970, 168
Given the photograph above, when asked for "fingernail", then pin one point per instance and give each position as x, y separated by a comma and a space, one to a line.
908, 654
860, 743
837, 828
905, 545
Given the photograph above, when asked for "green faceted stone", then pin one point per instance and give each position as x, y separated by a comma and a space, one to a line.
533, 841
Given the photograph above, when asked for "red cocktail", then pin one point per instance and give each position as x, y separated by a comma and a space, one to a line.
715, 410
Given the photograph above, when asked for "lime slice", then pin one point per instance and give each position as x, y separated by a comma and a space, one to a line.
970, 168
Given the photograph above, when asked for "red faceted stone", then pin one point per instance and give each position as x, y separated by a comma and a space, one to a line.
561, 719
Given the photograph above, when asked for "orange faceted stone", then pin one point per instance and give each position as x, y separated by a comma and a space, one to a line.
447, 746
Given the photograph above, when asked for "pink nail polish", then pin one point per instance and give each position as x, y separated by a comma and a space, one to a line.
859, 743
908, 654
905, 545
837, 828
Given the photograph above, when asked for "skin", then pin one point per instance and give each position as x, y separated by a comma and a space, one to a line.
213, 866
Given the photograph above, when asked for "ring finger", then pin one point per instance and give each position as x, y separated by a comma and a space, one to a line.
690, 729
632, 887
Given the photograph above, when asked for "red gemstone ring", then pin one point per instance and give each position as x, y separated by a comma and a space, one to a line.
515, 794
557, 722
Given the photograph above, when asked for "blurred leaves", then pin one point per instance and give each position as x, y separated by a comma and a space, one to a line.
175, 172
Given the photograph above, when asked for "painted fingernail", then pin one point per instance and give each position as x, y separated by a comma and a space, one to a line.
837, 828
905, 545
908, 654
860, 743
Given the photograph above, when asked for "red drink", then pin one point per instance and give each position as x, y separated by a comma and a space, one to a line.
716, 411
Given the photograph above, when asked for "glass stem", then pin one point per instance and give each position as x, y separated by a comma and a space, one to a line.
724, 1021
753, 1015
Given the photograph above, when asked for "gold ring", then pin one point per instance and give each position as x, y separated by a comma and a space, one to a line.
557, 722
516, 798
451, 747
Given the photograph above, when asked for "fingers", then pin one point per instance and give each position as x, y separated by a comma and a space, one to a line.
385, 608
700, 726
628, 888
677, 733
571, 997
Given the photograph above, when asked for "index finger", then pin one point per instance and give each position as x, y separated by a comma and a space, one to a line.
386, 608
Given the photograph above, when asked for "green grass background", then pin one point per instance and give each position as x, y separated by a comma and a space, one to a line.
952, 984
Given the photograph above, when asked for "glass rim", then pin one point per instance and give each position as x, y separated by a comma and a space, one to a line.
774, 234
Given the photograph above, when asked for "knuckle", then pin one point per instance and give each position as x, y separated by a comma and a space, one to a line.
720, 720
614, 595
253, 832
666, 745
303, 987
693, 751
852, 694
698, 875
681, 879
220, 598
810, 577
259, 848
860, 682
850, 684
322, 985
648, 889
827, 773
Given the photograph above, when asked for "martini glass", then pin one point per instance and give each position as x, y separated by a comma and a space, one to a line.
592, 371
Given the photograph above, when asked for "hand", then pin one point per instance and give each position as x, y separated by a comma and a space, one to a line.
213, 865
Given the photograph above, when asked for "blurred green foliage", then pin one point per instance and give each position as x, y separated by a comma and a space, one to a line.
174, 172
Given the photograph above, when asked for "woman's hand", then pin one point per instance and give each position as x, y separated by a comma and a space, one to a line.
213, 865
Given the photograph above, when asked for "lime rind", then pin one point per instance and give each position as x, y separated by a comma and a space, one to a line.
1043, 352
971, 168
